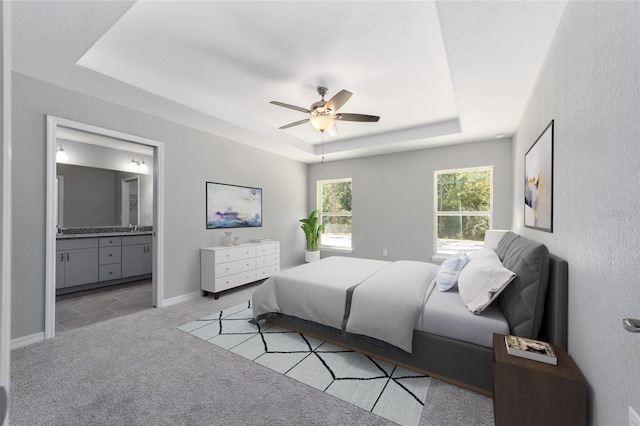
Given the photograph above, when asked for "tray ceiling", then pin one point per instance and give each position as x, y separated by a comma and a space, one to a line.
436, 73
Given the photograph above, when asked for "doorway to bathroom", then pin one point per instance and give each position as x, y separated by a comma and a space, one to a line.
121, 181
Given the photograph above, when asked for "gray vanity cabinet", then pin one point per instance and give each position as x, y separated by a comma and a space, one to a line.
109, 259
76, 262
136, 255
101, 261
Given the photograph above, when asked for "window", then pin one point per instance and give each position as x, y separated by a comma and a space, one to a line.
463, 209
334, 212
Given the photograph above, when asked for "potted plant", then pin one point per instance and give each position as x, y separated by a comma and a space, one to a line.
312, 230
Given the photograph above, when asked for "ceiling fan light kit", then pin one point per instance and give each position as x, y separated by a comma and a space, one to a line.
322, 122
323, 113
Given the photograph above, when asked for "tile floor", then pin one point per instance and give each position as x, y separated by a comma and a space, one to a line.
75, 310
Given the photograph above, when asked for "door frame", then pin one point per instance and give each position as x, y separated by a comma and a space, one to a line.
50, 241
5, 210
124, 200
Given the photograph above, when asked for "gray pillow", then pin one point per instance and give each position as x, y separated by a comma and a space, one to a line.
522, 302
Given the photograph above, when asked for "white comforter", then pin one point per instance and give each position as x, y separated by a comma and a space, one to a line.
385, 303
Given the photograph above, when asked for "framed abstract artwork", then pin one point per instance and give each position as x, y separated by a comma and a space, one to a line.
233, 206
538, 182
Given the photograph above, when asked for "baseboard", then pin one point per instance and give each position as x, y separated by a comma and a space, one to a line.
181, 299
21, 342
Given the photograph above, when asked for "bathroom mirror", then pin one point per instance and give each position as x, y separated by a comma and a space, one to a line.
95, 174
92, 197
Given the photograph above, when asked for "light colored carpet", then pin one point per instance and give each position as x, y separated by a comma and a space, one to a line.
384, 389
140, 369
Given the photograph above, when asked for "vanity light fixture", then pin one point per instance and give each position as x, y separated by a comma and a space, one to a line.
138, 166
134, 165
61, 156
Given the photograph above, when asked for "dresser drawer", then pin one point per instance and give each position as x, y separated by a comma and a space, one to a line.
230, 268
109, 272
272, 259
235, 280
109, 255
267, 271
236, 253
267, 248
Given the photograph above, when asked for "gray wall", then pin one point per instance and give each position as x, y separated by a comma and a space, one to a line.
590, 85
191, 158
392, 204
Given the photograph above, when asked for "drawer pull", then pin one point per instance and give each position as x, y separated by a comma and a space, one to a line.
110, 255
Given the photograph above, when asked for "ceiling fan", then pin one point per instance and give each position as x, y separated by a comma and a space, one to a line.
324, 113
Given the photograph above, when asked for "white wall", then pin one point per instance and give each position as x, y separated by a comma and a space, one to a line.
392, 204
191, 158
590, 85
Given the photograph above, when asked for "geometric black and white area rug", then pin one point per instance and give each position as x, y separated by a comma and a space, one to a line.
392, 392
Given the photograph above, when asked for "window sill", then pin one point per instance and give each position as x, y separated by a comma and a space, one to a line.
336, 249
439, 258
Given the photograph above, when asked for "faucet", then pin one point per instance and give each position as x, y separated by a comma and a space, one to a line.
133, 228
58, 230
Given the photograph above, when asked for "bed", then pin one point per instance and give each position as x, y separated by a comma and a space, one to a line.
394, 311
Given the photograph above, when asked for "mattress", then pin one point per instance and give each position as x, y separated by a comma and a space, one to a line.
445, 315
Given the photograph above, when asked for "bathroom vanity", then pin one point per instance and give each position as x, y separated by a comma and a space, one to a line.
92, 259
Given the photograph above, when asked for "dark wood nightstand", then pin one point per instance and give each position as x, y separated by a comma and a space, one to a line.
527, 392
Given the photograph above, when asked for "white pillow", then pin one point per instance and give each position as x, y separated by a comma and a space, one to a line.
482, 279
449, 270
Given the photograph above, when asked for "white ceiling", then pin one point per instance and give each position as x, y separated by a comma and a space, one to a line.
435, 72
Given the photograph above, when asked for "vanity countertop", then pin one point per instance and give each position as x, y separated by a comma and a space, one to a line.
102, 235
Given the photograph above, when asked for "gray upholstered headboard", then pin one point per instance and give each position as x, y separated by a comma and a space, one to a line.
535, 303
554, 327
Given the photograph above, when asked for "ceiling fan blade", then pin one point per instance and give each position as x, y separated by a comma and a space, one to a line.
357, 117
297, 123
297, 108
338, 100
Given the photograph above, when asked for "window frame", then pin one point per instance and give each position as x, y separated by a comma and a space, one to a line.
437, 255
321, 214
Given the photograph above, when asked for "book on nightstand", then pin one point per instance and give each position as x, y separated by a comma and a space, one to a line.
531, 349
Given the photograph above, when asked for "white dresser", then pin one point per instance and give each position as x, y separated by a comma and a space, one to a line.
222, 268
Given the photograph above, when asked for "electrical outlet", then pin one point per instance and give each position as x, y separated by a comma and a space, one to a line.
634, 419
385, 253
